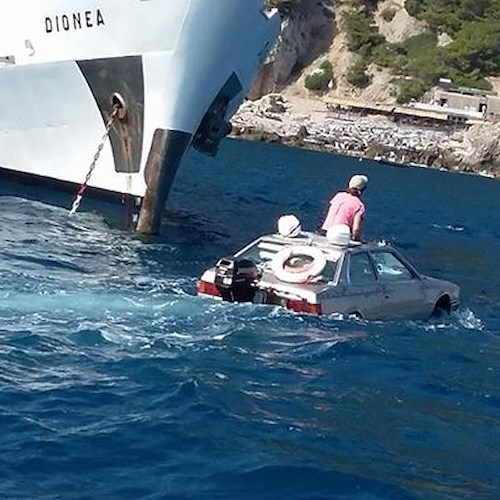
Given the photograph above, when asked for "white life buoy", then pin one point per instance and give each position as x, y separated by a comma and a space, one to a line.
298, 264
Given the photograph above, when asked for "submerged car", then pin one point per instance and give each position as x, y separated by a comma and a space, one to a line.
311, 273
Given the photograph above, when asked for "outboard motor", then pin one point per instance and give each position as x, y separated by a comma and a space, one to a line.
235, 279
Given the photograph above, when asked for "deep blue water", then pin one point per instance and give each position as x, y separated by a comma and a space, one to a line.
116, 381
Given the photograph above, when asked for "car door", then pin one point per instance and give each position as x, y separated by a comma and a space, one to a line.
362, 293
402, 288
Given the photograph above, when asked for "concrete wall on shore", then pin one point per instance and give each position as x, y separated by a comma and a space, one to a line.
486, 104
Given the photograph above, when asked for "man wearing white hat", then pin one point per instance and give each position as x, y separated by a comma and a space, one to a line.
346, 207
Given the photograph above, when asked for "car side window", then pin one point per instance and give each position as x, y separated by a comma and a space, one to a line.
361, 269
390, 268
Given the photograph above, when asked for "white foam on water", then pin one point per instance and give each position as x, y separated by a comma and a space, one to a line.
469, 320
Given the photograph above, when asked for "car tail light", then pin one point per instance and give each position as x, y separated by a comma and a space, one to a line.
208, 288
303, 306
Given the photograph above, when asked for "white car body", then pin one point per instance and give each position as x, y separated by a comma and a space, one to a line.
371, 281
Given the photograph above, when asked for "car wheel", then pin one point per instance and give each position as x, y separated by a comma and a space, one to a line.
442, 307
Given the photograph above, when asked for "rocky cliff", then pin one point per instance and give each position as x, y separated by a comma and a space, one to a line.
315, 30
307, 33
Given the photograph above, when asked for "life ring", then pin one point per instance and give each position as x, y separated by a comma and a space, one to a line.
298, 264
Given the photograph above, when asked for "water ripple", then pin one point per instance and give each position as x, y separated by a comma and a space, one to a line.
118, 382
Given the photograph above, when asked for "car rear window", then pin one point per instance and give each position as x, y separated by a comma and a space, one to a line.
263, 251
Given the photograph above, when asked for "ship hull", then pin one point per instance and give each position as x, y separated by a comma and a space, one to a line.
179, 78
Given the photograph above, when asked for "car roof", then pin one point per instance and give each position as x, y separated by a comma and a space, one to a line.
319, 241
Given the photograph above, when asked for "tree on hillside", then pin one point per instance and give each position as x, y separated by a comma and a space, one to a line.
410, 89
477, 48
452, 15
320, 78
362, 35
474, 53
474, 9
357, 75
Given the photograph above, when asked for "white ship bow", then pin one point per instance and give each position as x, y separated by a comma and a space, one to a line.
181, 67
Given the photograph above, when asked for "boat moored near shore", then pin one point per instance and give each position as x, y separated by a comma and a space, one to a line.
173, 73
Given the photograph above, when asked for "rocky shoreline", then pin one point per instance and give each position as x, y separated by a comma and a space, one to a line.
310, 123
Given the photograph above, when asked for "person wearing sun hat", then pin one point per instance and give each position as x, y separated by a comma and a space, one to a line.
347, 208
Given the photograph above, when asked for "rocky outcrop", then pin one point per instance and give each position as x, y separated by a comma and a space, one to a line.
401, 25
312, 31
311, 124
307, 32
475, 150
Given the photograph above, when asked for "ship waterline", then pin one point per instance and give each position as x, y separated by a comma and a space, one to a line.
178, 70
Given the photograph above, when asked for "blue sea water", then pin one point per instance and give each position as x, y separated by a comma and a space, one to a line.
117, 381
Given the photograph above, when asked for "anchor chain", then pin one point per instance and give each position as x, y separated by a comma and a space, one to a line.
83, 187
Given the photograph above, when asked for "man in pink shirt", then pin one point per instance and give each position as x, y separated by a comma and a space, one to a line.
347, 208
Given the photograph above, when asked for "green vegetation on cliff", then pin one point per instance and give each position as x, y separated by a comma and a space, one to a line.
461, 43
474, 26
472, 54
453, 15
320, 78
